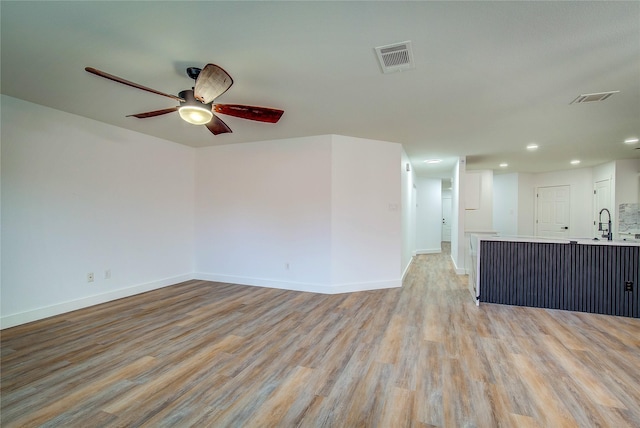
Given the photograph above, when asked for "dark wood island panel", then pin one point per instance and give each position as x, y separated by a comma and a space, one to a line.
591, 278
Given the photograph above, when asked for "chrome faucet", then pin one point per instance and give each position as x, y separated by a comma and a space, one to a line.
608, 233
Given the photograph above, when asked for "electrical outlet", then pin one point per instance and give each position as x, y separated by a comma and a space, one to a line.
90, 277
628, 286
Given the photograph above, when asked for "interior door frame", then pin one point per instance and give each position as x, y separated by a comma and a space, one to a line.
536, 203
596, 207
442, 226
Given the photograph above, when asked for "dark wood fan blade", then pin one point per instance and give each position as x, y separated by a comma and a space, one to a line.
153, 113
128, 83
262, 114
212, 82
217, 126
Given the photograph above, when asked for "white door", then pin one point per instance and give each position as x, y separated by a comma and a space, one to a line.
602, 199
446, 219
552, 213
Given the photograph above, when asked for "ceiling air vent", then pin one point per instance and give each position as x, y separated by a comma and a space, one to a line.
395, 57
589, 98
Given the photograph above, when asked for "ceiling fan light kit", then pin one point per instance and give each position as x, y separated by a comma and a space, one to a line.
196, 104
193, 111
195, 115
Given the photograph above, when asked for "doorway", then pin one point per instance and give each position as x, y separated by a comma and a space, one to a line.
446, 218
602, 199
552, 211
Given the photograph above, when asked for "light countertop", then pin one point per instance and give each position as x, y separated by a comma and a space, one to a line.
580, 241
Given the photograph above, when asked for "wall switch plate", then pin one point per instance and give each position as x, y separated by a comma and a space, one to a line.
628, 286
90, 277
107, 274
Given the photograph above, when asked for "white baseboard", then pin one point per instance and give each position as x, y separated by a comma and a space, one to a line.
64, 307
365, 286
299, 286
406, 269
429, 251
459, 271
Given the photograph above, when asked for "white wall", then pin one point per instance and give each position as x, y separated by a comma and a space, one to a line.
581, 182
408, 208
458, 246
627, 185
263, 212
429, 216
526, 204
624, 188
367, 207
81, 196
306, 214
505, 204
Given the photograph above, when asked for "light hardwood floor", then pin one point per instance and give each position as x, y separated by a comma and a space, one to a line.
209, 354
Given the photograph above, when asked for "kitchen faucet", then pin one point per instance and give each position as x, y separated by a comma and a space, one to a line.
608, 233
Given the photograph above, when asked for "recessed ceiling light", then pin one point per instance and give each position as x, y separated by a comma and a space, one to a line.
575, 162
432, 161
504, 165
631, 141
532, 146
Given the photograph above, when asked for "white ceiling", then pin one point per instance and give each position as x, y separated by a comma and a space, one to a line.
490, 77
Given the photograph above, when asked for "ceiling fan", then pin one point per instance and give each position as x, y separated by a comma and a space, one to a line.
196, 104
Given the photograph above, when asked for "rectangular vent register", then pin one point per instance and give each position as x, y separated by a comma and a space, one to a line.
395, 57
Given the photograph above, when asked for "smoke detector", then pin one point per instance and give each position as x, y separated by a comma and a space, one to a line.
589, 98
395, 57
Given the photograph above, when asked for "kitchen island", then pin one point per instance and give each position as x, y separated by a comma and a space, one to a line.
571, 274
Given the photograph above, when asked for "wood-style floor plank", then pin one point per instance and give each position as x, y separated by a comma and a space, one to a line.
212, 354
